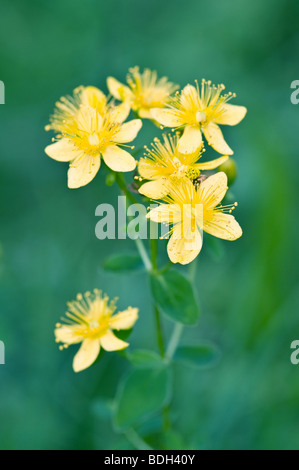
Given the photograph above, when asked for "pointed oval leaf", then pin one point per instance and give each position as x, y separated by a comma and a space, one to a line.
145, 359
202, 356
142, 393
174, 294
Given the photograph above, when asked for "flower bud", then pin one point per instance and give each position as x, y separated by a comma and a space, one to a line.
230, 169
110, 179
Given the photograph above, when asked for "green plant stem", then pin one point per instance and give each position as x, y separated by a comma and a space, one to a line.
192, 271
143, 254
179, 328
136, 440
119, 178
154, 251
151, 267
160, 339
174, 340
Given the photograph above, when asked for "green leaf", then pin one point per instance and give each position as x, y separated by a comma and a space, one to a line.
202, 356
123, 262
174, 294
145, 359
174, 441
142, 393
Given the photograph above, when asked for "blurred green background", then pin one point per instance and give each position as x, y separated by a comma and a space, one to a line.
49, 251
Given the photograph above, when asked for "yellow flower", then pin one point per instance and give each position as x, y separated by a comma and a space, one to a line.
145, 91
90, 321
163, 162
197, 110
191, 210
86, 135
67, 109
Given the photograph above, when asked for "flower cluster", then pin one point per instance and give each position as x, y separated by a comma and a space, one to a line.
90, 127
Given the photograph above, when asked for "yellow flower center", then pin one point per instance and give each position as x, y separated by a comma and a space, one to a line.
96, 329
200, 116
88, 316
192, 173
90, 135
94, 140
148, 90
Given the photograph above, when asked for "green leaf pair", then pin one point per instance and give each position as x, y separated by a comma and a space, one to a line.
147, 388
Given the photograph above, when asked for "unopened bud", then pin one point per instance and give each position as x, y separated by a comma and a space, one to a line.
230, 169
110, 179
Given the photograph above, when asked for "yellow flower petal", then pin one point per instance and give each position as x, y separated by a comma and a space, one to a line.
145, 113
149, 169
215, 139
118, 159
124, 320
89, 120
94, 98
184, 248
189, 97
128, 131
166, 117
169, 213
212, 164
232, 115
191, 140
213, 190
63, 151
223, 226
120, 113
155, 189
66, 335
117, 89
86, 355
111, 343
83, 170
114, 86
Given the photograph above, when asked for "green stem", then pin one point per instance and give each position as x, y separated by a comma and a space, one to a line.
143, 254
154, 251
159, 332
166, 267
174, 340
151, 267
136, 440
192, 271
179, 328
160, 339
119, 178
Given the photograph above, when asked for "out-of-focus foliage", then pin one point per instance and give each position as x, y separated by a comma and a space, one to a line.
49, 252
